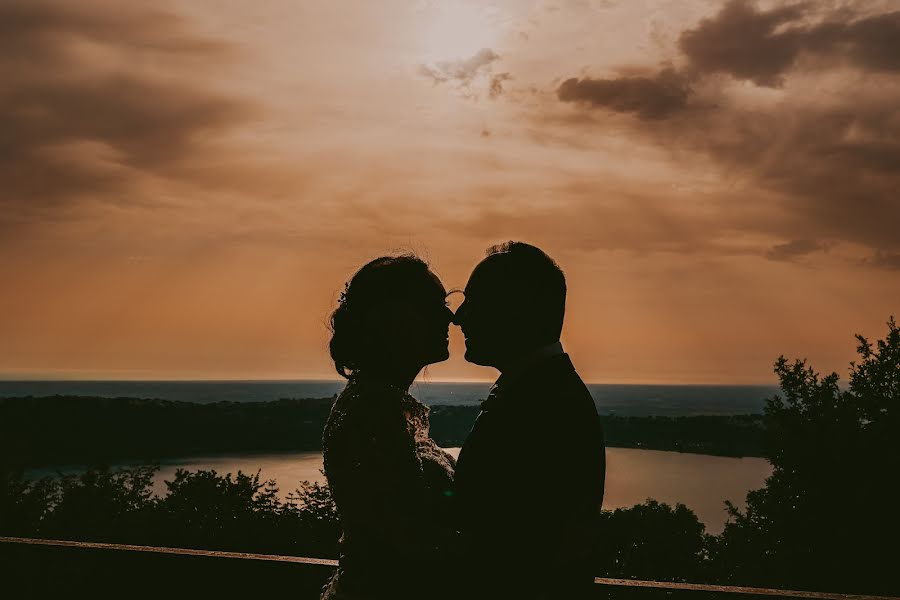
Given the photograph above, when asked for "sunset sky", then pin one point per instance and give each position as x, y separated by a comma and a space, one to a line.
186, 186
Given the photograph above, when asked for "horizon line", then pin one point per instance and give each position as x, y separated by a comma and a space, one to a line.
4, 379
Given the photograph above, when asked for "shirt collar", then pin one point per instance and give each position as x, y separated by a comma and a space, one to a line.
541, 353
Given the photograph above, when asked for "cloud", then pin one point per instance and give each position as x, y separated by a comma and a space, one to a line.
794, 249
465, 72
461, 71
885, 261
496, 86
107, 98
652, 97
819, 171
742, 42
831, 168
823, 156
762, 45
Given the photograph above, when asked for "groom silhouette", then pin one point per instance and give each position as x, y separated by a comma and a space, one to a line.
529, 478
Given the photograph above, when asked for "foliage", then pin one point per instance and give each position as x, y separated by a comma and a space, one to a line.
650, 541
201, 509
825, 518
23, 504
100, 504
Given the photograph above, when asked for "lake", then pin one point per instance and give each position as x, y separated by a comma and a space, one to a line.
700, 481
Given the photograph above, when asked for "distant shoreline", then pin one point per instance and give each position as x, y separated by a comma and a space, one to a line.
488, 382
60, 430
623, 400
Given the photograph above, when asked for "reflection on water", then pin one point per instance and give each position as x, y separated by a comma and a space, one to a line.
700, 481
287, 468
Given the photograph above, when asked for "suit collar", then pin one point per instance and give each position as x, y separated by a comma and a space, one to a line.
528, 362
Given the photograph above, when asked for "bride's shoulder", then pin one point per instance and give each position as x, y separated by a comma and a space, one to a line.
367, 393
367, 400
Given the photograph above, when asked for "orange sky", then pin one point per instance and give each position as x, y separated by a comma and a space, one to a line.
187, 186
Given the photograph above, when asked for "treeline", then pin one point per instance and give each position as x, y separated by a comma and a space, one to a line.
737, 435
200, 509
61, 430
207, 510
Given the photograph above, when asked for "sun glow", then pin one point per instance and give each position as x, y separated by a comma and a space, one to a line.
458, 30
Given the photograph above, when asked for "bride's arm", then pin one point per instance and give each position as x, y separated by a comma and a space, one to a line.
385, 496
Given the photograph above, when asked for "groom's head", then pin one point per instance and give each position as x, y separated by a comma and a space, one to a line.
515, 302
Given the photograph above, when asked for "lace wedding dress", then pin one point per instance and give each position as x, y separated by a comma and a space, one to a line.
392, 486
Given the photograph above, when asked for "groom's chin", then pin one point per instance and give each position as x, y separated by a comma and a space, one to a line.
439, 356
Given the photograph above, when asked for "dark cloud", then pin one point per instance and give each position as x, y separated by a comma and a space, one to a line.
794, 249
95, 99
826, 167
741, 41
762, 45
821, 172
872, 42
830, 166
652, 97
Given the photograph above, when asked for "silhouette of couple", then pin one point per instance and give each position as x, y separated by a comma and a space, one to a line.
513, 516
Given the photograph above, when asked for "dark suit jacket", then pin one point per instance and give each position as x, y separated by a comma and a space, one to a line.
528, 486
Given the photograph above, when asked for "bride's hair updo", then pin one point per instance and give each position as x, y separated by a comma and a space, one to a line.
377, 284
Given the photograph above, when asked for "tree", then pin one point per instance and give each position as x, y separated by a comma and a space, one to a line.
101, 504
650, 541
826, 518
24, 504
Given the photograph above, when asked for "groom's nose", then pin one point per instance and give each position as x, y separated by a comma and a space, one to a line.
448, 314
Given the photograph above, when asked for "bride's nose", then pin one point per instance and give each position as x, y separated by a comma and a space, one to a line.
459, 315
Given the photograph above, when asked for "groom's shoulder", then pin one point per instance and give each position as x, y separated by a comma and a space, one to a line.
555, 381
559, 371
554, 400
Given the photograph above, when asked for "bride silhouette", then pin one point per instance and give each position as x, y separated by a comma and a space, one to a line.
389, 479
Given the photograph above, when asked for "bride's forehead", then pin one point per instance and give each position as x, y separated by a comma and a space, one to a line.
435, 284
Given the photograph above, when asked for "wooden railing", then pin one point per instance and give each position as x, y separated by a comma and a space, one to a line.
663, 585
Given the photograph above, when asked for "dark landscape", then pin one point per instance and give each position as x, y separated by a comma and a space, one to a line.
823, 520
73, 430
